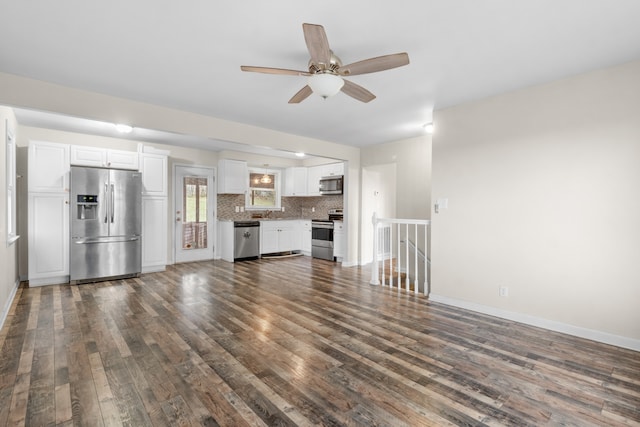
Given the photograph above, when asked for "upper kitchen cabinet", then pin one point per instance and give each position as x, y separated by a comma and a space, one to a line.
314, 173
295, 181
103, 158
154, 173
48, 167
333, 169
233, 176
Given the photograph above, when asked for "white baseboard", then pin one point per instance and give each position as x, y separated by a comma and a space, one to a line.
552, 325
7, 306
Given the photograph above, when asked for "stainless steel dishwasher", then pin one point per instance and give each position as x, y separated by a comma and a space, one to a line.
246, 240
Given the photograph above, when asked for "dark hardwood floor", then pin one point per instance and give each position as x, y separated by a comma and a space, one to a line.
292, 341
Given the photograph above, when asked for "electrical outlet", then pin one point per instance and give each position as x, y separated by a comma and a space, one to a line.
504, 291
241, 208
283, 209
237, 209
313, 209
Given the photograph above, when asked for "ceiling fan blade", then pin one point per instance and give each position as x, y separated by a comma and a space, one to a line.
301, 95
317, 43
267, 70
372, 65
357, 92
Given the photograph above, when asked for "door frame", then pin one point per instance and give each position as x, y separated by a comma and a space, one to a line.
212, 205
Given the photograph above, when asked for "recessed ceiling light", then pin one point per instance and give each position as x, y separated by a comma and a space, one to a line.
300, 154
122, 128
428, 128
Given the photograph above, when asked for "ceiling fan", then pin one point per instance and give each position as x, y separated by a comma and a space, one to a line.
326, 70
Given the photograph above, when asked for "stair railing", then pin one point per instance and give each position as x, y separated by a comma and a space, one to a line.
388, 257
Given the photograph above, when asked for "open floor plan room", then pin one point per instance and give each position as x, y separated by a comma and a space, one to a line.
296, 341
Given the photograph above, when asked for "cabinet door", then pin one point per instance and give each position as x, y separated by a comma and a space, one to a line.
154, 174
154, 234
48, 167
305, 236
295, 181
333, 169
48, 219
233, 176
314, 173
88, 156
268, 238
338, 239
122, 159
286, 238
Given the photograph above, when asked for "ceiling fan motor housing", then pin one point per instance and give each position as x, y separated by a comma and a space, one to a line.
332, 67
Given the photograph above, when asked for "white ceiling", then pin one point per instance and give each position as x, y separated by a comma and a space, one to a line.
187, 55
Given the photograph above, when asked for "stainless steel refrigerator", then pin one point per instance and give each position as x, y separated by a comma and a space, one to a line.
106, 222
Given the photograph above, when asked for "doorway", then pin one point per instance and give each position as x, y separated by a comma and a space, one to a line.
194, 203
379, 196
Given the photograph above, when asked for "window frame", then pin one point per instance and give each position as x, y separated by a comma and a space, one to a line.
277, 176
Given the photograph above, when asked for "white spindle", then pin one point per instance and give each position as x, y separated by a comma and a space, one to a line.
415, 260
426, 258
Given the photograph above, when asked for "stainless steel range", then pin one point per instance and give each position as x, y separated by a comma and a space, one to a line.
322, 235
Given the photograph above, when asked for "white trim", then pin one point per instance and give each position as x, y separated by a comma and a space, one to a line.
551, 325
7, 307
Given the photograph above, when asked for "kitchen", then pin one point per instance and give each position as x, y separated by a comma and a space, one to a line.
304, 198
158, 168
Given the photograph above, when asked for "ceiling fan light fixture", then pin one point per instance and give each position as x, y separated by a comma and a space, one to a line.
325, 84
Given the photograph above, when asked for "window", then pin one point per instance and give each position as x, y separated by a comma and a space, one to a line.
12, 235
194, 222
264, 189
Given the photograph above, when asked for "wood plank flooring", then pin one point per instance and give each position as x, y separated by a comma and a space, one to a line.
295, 341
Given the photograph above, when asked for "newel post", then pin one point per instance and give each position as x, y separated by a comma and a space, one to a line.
375, 279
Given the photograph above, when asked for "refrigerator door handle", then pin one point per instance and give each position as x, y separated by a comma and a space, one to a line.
106, 195
112, 202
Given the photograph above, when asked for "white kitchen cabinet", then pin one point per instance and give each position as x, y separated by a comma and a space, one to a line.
305, 236
103, 157
226, 240
338, 239
48, 213
154, 233
154, 174
279, 236
48, 222
48, 167
233, 176
153, 165
314, 173
333, 169
295, 181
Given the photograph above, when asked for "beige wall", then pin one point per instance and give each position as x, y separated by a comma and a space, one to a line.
543, 193
8, 254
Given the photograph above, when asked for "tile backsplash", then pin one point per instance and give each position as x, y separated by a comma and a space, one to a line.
294, 207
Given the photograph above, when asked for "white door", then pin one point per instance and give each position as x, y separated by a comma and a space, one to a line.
194, 189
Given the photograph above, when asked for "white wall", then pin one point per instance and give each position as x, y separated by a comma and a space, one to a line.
543, 190
8, 254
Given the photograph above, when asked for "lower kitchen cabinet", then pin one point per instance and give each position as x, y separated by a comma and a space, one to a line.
305, 236
48, 219
279, 236
338, 240
154, 234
